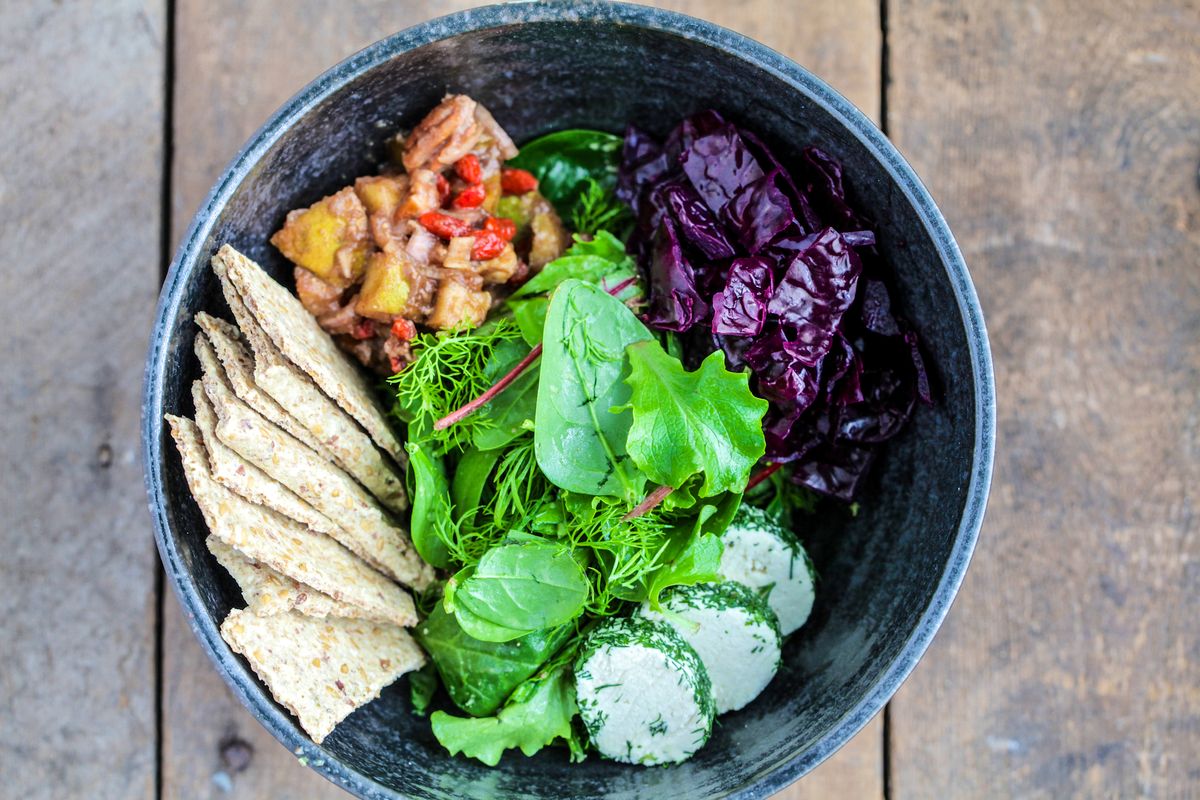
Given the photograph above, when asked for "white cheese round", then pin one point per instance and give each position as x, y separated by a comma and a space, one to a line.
643, 693
734, 632
762, 555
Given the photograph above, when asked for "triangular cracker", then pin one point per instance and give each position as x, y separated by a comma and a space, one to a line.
321, 669
285, 546
300, 339
362, 524
239, 370
268, 592
297, 395
236, 473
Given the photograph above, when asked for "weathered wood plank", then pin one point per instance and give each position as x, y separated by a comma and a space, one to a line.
237, 62
80, 178
1062, 140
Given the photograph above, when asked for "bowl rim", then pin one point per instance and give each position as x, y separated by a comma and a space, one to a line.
242, 681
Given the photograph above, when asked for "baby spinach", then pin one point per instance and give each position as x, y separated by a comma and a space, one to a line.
539, 711
516, 589
430, 510
602, 260
509, 413
479, 675
582, 421
422, 686
687, 423
470, 475
567, 161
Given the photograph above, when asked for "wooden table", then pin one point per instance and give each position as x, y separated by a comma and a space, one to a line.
1062, 139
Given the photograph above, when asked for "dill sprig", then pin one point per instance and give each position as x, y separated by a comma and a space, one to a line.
448, 372
623, 552
598, 209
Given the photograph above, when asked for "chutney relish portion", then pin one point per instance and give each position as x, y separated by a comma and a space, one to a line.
433, 241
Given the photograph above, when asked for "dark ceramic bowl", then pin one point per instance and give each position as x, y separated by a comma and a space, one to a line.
887, 576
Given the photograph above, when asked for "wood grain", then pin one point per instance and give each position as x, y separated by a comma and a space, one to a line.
1063, 140
80, 182
236, 62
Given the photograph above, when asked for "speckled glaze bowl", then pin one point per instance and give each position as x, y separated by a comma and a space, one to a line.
887, 576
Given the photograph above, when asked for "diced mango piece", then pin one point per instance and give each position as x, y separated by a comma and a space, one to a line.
329, 238
458, 304
379, 194
386, 289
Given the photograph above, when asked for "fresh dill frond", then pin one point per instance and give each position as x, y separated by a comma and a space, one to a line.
598, 209
447, 373
622, 552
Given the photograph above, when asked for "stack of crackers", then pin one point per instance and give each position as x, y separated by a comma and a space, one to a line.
299, 476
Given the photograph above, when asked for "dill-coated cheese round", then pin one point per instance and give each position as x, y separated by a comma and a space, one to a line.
734, 632
643, 692
762, 555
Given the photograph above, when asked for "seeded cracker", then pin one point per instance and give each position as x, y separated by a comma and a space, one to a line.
268, 592
362, 524
299, 397
239, 475
321, 669
300, 339
291, 549
239, 369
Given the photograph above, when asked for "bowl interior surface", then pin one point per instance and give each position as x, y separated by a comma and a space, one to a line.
885, 575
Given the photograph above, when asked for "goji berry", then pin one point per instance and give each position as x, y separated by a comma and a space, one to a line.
364, 329
503, 227
444, 225
470, 197
487, 246
443, 187
517, 181
469, 169
403, 329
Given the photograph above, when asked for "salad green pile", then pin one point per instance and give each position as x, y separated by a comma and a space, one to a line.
602, 474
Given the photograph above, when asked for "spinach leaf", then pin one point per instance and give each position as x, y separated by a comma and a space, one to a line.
422, 686
512, 408
478, 675
587, 261
565, 162
430, 504
602, 260
580, 431
516, 589
470, 475
687, 423
539, 711
530, 316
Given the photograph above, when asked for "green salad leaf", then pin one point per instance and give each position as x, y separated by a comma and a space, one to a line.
422, 686
430, 504
516, 589
567, 162
470, 475
687, 423
695, 557
479, 676
539, 711
512, 410
582, 420
602, 260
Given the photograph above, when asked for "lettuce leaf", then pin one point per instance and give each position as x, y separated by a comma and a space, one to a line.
539, 711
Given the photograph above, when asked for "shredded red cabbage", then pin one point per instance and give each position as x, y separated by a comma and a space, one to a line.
776, 268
